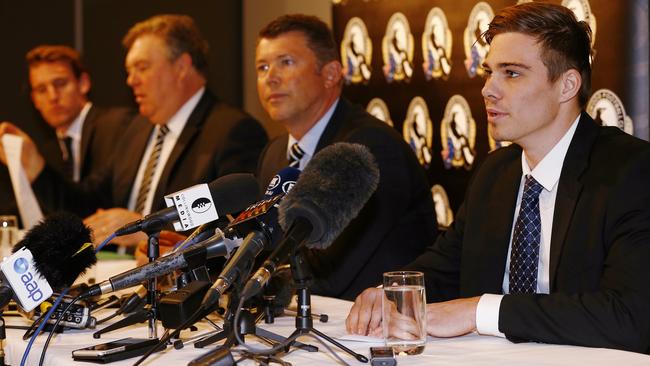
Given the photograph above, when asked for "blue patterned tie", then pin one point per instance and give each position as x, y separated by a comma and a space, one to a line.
524, 256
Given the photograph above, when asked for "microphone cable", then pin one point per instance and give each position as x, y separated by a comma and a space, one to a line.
53, 308
58, 320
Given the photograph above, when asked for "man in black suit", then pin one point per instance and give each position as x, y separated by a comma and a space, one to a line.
182, 137
552, 241
80, 137
299, 84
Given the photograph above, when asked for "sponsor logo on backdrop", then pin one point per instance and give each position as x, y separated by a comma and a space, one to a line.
379, 109
582, 10
418, 130
458, 134
475, 46
436, 45
356, 52
444, 214
606, 108
397, 49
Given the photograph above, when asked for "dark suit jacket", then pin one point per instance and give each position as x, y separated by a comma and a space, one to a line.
392, 229
216, 140
600, 245
101, 129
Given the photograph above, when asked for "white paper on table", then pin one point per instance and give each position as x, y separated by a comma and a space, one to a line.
30, 211
360, 338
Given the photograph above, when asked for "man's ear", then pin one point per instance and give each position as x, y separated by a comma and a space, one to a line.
84, 83
332, 71
570, 83
183, 65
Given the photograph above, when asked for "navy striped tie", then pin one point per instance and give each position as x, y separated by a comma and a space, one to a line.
295, 154
150, 170
524, 255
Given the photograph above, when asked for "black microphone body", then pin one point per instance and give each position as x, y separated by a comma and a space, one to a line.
196, 255
230, 193
330, 192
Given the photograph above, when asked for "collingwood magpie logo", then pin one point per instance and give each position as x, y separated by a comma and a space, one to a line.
379, 109
418, 130
397, 49
436, 45
494, 144
444, 214
606, 109
356, 52
458, 134
475, 46
582, 11
201, 205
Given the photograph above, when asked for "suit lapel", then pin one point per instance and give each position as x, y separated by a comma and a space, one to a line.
569, 188
191, 129
132, 155
334, 125
87, 133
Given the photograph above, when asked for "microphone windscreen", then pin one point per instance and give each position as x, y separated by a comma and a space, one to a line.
61, 247
333, 188
234, 192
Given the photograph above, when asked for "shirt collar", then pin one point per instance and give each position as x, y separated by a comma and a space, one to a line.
309, 141
77, 125
548, 171
177, 122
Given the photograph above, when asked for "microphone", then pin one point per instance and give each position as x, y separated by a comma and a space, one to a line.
198, 254
260, 233
331, 191
198, 204
51, 255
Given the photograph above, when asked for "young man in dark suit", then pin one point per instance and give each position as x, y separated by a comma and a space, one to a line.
299, 84
553, 239
80, 137
183, 135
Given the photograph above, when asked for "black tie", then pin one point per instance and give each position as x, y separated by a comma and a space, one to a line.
66, 153
150, 170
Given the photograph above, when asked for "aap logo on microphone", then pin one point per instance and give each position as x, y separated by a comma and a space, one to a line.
201, 205
21, 265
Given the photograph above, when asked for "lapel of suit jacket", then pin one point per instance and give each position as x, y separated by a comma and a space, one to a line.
334, 125
569, 188
501, 211
87, 133
126, 164
191, 129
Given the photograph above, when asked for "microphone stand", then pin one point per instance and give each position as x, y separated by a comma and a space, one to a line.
150, 311
304, 320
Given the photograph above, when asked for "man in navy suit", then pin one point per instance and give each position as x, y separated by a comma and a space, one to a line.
299, 84
552, 242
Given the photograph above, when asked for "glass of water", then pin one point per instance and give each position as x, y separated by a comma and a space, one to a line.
404, 312
8, 234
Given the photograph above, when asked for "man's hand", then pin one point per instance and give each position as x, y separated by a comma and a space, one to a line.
365, 315
104, 222
452, 318
33, 162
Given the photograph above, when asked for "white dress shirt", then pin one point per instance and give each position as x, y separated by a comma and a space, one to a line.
547, 173
175, 124
309, 141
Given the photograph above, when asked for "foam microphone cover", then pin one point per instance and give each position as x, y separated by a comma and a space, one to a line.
330, 192
55, 244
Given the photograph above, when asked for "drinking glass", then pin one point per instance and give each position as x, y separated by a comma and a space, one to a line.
404, 312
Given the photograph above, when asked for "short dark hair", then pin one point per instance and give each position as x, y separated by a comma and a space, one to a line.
319, 37
56, 53
565, 41
179, 32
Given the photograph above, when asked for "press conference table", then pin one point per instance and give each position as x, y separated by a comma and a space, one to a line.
471, 349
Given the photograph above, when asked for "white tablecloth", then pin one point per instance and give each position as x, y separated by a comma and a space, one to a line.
467, 350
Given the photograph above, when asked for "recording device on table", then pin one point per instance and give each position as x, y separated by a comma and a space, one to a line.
115, 350
382, 356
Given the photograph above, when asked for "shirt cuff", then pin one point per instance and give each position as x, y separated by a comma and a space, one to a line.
487, 315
